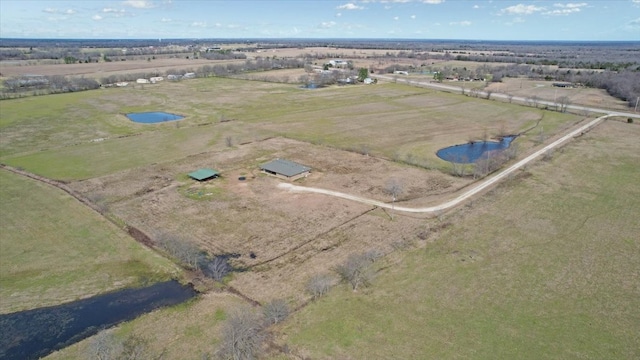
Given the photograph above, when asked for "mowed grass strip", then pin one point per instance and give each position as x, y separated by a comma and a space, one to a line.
55, 250
545, 269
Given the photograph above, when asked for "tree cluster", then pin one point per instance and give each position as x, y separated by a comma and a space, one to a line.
182, 250
246, 329
106, 346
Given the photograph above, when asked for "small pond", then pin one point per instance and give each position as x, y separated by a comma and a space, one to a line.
153, 117
33, 334
470, 152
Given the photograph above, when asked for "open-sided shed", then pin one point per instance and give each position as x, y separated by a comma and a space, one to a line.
285, 169
204, 174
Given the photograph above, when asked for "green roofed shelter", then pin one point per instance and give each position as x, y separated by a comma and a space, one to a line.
204, 174
285, 169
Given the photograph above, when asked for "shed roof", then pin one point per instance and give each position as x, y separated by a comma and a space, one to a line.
285, 167
203, 174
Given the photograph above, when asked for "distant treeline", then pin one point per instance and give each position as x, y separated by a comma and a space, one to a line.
624, 85
41, 85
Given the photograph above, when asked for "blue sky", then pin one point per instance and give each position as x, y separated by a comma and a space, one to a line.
402, 19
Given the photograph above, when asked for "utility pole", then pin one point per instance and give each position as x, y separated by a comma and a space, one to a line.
636, 108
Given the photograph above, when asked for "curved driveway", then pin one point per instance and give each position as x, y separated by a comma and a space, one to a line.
477, 188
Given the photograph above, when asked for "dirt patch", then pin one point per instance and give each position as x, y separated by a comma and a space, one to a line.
283, 237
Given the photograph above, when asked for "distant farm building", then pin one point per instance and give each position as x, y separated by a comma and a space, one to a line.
143, 81
204, 174
338, 63
285, 169
563, 84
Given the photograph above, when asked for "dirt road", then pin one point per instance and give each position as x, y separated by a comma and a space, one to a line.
479, 187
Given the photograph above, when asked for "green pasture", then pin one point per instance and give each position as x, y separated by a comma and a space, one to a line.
83, 135
54, 249
545, 268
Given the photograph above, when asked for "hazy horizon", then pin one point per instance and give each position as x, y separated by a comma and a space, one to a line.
489, 20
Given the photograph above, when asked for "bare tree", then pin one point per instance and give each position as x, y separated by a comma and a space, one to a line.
488, 93
394, 188
184, 251
357, 270
275, 311
104, 346
319, 285
564, 102
458, 165
535, 100
242, 335
135, 347
217, 268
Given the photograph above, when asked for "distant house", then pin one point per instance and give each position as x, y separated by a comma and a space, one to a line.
189, 75
156, 79
204, 174
143, 81
285, 169
338, 63
401, 72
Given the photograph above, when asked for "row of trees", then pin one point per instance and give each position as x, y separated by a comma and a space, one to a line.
41, 85
624, 85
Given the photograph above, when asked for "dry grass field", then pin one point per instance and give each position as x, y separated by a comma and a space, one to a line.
546, 266
355, 139
138, 171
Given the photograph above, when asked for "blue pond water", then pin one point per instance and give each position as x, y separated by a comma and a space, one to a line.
33, 334
470, 152
153, 117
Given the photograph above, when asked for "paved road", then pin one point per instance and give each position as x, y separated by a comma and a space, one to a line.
494, 95
480, 186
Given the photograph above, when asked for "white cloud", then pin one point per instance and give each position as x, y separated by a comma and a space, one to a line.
433, 2
199, 24
633, 25
565, 9
413, 17
112, 10
515, 20
338, 14
349, 6
327, 24
522, 9
97, 17
70, 12
476, 6
50, 10
138, 4
165, 20
460, 23
396, 18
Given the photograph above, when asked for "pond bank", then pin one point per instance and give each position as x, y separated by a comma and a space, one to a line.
33, 334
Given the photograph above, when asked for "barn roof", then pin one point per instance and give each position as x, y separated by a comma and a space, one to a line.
203, 174
285, 167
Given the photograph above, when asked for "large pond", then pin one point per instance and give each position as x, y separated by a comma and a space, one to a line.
33, 334
470, 152
153, 117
